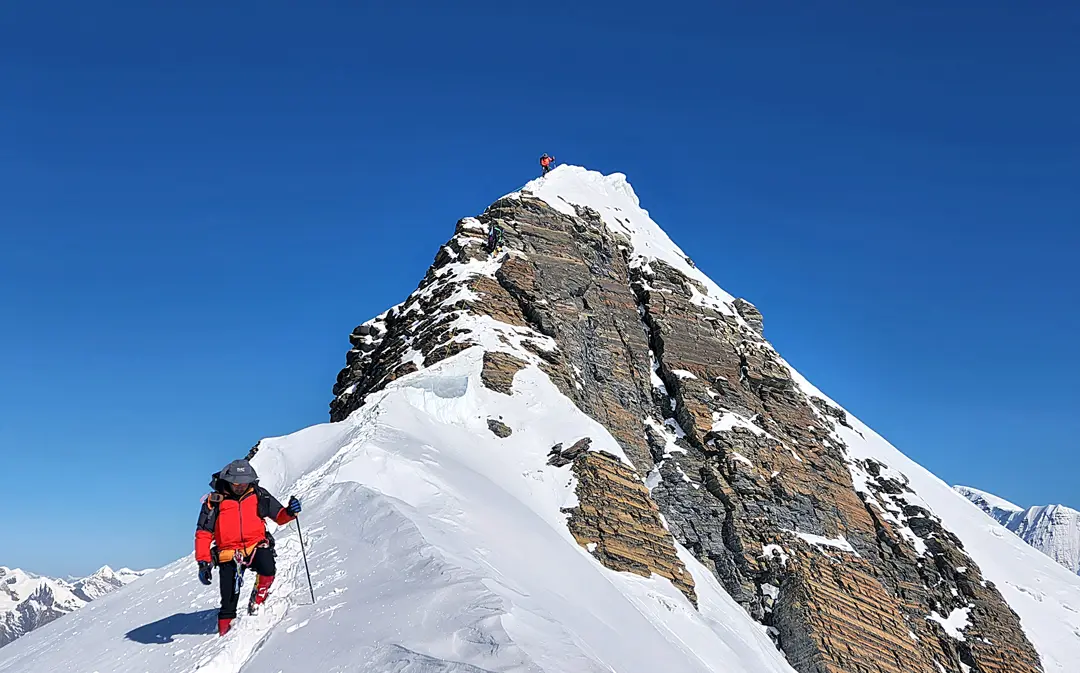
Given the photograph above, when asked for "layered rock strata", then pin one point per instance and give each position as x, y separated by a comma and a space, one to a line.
837, 557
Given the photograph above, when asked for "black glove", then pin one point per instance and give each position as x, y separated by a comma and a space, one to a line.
205, 567
294, 506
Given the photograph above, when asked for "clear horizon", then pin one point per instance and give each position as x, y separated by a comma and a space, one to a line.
198, 205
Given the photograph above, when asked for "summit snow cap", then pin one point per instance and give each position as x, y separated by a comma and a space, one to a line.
613, 198
239, 472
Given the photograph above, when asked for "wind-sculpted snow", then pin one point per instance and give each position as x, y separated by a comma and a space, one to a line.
434, 547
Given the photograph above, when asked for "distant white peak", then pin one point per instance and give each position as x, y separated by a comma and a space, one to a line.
1052, 529
107, 571
990, 500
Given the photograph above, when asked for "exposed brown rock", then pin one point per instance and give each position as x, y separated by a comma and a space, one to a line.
619, 523
559, 457
852, 623
499, 371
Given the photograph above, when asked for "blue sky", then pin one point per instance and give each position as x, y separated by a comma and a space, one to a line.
197, 205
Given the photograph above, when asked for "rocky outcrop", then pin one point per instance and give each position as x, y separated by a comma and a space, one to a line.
617, 521
771, 468
558, 457
44, 605
499, 429
750, 473
849, 621
499, 371
751, 315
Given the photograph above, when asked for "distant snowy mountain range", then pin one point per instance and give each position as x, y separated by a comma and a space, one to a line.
28, 601
1052, 529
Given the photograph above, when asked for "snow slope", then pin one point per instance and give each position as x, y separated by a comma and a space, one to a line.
434, 547
1052, 529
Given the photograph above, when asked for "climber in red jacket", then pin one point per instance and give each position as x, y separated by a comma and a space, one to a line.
546, 164
231, 534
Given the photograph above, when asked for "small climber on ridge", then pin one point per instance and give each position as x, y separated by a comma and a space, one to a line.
231, 534
546, 164
495, 238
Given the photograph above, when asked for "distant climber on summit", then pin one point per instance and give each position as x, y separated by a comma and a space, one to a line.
232, 535
546, 164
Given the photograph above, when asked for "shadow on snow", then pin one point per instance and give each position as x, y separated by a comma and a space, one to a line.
201, 623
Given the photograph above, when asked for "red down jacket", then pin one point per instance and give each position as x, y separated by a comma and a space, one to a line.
234, 523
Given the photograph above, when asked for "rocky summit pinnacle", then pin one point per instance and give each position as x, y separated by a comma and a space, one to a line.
808, 519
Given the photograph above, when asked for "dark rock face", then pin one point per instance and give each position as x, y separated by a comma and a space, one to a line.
499, 428
742, 462
751, 315
559, 457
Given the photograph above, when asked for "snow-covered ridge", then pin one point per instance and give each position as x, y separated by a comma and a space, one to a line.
17, 586
1052, 529
435, 547
104, 580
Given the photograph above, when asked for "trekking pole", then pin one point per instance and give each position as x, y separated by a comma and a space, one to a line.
300, 535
